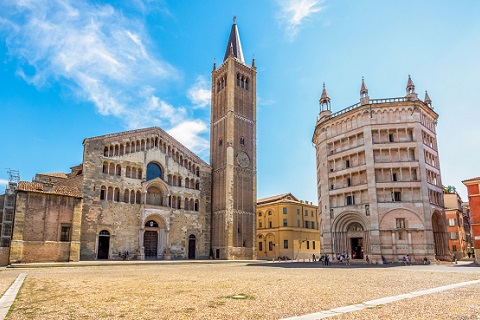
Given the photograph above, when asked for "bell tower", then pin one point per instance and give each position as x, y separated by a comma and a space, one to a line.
233, 154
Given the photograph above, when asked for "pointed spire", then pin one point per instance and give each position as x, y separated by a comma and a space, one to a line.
364, 98
324, 100
214, 64
410, 86
427, 99
234, 46
363, 89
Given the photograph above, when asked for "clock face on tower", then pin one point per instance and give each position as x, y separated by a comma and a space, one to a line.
243, 159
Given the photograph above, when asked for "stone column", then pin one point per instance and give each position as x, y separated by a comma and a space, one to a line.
394, 246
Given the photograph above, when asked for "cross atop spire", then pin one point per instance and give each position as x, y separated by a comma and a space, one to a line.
234, 46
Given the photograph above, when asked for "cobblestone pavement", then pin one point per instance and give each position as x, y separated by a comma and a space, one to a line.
238, 290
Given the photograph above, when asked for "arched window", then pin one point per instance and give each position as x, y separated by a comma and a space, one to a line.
105, 167
111, 169
242, 141
132, 197
154, 171
151, 224
118, 170
110, 194
154, 196
139, 174
196, 205
116, 195
138, 197
126, 196
105, 152
103, 192
246, 84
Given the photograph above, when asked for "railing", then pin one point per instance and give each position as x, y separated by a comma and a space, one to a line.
356, 105
388, 100
372, 101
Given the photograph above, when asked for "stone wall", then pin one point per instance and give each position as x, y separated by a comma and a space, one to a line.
39, 218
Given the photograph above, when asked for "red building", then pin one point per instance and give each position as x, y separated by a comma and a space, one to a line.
473, 189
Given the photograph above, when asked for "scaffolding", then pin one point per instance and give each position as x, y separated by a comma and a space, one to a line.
6, 224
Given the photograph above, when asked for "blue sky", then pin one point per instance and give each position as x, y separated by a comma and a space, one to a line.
73, 69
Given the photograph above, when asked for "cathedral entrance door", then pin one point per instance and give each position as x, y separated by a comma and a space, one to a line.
191, 246
357, 247
150, 243
103, 244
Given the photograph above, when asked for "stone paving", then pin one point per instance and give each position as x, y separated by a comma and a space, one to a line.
238, 290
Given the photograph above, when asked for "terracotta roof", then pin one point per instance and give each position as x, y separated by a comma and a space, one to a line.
278, 198
72, 182
55, 174
472, 179
48, 188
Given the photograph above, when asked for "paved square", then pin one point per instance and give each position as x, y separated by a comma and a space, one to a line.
207, 290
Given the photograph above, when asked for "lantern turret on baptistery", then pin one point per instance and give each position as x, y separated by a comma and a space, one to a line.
364, 98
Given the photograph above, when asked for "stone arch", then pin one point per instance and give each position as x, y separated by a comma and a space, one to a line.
417, 222
341, 222
350, 235
155, 236
439, 235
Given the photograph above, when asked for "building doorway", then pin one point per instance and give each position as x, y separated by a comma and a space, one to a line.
192, 244
103, 244
356, 244
150, 243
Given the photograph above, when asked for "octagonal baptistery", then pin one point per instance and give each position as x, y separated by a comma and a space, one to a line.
378, 179
145, 194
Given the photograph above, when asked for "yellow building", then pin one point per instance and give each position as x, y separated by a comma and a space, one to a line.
287, 228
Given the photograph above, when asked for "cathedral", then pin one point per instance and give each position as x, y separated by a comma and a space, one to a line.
143, 193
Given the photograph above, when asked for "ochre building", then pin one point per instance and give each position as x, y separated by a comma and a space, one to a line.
379, 183
287, 228
144, 193
457, 235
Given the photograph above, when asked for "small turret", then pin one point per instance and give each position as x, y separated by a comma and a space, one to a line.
411, 95
427, 100
364, 98
324, 100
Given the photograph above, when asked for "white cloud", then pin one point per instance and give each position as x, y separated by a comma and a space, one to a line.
3, 182
100, 54
188, 133
294, 12
200, 93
